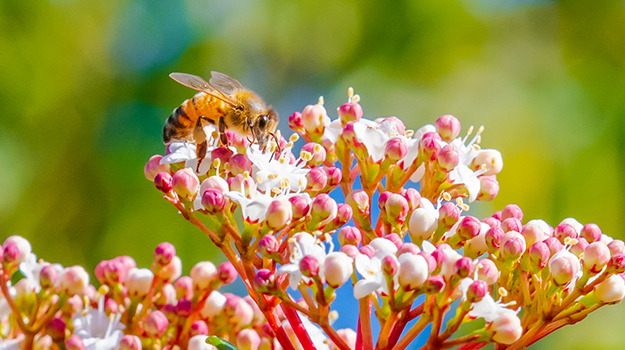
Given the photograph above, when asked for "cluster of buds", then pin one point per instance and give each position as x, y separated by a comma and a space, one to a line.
412, 257
52, 307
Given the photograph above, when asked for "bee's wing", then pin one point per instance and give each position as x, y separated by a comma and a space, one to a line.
199, 84
224, 83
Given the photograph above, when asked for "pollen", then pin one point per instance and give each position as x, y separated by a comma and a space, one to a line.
350, 92
246, 175
282, 159
321, 101
215, 134
502, 291
409, 133
356, 98
289, 144
275, 191
460, 203
480, 130
259, 179
272, 176
216, 163
470, 131
227, 166
446, 196
570, 241
306, 156
317, 148
293, 137
284, 183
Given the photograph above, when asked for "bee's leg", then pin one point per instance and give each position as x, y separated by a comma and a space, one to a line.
200, 138
222, 132
201, 154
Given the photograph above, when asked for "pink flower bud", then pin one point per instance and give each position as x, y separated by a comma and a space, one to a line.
493, 239
20, 251
279, 214
185, 183
295, 122
448, 158
507, 328
477, 291
395, 238
323, 209
468, 228
75, 343
314, 119
167, 295
154, 166
240, 163
248, 339
317, 151
343, 215
334, 175
163, 182
155, 324
487, 271
359, 201
413, 271
268, 245
198, 327
489, 160
396, 209
384, 196
74, 280
213, 305
171, 271
350, 250
213, 201
243, 183
350, 111
535, 231
408, 248
367, 250
110, 307
203, 274
184, 308
448, 215
184, 287
463, 267
113, 271
512, 245
492, 222
448, 127
554, 245
396, 149
163, 253
74, 304
338, 269
565, 230
596, 256
563, 267
238, 310
317, 180
539, 255
222, 153
591, 232
138, 281
429, 146
215, 182
434, 284
130, 342
511, 224
579, 247
309, 266
48, 277
227, 273
55, 328
512, 211
413, 197
616, 246
489, 188
300, 206
264, 281
611, 290
617, 263
389, 265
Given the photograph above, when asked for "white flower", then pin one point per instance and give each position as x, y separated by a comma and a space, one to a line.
97, 331
315, 333
332, 131
423, 221
186, 152
198, 342
275, 172
373, 278
301, 245
463, 174
12, 344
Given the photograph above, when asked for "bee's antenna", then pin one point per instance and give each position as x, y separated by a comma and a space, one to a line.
277, 142
253, 136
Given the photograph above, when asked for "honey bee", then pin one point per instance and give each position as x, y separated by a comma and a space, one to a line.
223, 102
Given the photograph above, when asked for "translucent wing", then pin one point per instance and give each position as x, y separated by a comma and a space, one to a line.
199, 84
224, 83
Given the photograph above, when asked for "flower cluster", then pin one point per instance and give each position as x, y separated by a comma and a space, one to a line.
53, 307
407, 245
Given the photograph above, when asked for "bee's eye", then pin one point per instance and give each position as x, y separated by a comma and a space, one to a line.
262, 122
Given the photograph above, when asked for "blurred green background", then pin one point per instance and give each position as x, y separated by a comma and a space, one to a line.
84, 94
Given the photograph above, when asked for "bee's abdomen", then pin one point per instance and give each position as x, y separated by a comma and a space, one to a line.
180, 123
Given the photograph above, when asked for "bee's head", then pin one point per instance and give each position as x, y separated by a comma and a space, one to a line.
264, 126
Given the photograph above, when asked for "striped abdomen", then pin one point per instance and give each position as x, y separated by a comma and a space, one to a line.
182, 121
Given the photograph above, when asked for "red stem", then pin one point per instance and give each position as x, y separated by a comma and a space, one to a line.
298, 327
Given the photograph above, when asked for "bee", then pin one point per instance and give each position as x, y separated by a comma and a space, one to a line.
222, 102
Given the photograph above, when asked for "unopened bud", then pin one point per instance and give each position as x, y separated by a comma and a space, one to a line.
240, 163
279, 214
155, 324
511, 224
213, 201
448, 127
350, 111
74, 280
489, 188
434, 284
396, 149
611, 290
316, 180
396, 209
429, 146
338, 269
563, 231
448, 158
477, 291
130, 342
468, 228
163, 253
154, 166
359, 201
487, 271
203, 274
300, 206
413, 271
227, 273
539, 255
185, 183
75, 343
318, 154
295, 122
268, 245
